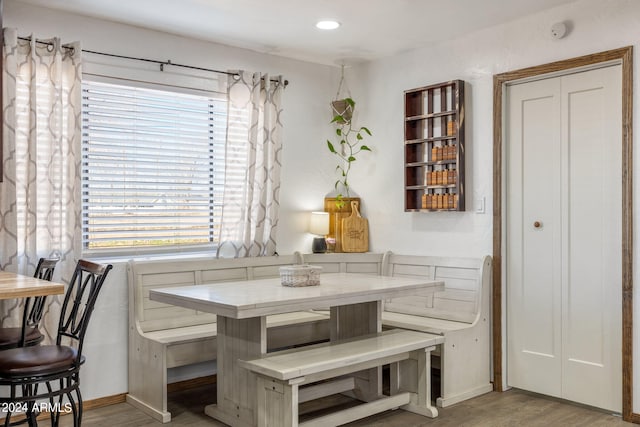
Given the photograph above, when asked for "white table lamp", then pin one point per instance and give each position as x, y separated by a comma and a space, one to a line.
319, 225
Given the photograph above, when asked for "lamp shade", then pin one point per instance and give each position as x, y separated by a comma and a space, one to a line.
319, 223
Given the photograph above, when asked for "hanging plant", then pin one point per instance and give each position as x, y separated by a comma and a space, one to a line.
350, 145
340, 106
343, 109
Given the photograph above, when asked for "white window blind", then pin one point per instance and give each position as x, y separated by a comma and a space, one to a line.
153, 167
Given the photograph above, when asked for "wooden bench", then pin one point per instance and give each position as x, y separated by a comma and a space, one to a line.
280, 377
162, 336
460, 313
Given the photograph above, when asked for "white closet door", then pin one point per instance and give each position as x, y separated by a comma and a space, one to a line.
564, 201
534, 252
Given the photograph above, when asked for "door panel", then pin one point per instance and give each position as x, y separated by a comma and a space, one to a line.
534, 345
564, 275
592, 317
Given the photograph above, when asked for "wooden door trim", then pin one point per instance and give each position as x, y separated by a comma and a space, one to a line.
625, 57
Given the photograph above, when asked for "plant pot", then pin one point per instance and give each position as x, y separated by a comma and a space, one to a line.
342, 108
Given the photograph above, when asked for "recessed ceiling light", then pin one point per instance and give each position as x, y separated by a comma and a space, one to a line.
327, 25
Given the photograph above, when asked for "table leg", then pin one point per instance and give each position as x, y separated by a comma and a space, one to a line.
353, 320
237, 339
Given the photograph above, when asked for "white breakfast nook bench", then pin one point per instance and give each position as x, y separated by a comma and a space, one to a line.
461, 314
281, 375
162, 336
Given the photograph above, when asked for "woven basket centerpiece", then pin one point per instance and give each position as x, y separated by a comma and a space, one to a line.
300, 275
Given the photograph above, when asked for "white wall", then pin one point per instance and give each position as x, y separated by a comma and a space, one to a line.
597, 25
306, 166
307, 173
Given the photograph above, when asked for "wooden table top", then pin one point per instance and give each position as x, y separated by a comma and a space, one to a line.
14, 285
252, 298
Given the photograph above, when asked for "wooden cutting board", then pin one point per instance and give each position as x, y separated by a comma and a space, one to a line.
336, 215
355, 232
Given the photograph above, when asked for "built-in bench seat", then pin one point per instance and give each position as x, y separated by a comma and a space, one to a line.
280, 377
197, 332
281, 333
162, 336
184, 334
460, 313
421, 323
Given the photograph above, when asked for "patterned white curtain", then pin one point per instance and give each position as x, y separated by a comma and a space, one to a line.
40, 192
252, 170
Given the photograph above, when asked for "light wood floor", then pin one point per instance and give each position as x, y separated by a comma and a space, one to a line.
512, 408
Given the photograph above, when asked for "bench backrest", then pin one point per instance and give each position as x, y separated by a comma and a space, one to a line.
346, 262
145, 275
466, 280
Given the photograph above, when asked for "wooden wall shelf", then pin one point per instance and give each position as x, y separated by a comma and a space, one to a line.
434, 147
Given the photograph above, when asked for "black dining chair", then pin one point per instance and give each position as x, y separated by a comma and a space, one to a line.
29, 333
53, 371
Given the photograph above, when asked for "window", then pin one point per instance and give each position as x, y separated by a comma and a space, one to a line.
153, 167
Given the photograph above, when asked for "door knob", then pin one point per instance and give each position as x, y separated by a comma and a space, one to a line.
537, 224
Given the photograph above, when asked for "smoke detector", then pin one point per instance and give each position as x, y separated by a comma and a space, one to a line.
558, 30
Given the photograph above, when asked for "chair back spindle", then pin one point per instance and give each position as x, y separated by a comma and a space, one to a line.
79, 302
34, 306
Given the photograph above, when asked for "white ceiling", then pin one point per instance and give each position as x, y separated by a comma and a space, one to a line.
370, 28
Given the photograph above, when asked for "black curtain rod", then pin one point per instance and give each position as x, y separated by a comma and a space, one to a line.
154, 61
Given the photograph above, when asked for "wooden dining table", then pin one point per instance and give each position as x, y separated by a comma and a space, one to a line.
13, 285
355, 302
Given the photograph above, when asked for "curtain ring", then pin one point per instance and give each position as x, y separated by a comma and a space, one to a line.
53, 45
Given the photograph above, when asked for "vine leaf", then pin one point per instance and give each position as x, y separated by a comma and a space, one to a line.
330, 145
